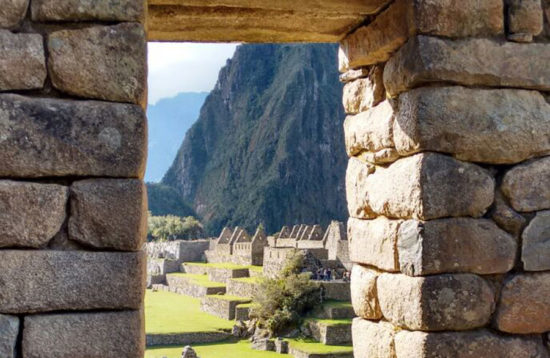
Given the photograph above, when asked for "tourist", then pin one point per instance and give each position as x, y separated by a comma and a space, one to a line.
329, 274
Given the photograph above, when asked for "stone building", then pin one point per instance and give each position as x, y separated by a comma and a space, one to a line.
250, 250
448, 184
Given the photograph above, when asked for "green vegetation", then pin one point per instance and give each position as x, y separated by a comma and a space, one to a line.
280, 303
259, 269
229, 298
337, 304
253, 280
223, 265
165, 200
245, 305
172, 227
201, 280
334, 322
312, 346
229, 349
167, 312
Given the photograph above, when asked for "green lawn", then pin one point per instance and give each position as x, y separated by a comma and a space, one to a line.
167, 312
201, 280
239, 349
312, 346
334, 322
337, 304
229, 298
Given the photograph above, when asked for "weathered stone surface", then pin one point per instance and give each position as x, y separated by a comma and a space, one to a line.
9, 330
528, 185
44, 281
374, 242
90, 335
22, 61
103, 62
524, 305
47, 137
364, 93
352, 75
497, 126
370, 131
373, 339
31, 213
535, 252
470, 62
425, 186
12, 12
454, 245
88, 10
363, 292
377, 41
435, 303
475, 344
506, 217
109, 213
525, 19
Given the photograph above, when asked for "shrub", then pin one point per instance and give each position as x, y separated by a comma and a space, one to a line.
172, 227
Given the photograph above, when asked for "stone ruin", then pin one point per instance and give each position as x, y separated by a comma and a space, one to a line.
238, 247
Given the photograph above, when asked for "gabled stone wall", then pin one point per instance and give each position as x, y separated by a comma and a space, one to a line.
448, 182
73, 205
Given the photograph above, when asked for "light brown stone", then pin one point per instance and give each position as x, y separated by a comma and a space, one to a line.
352, 75
90, 335
524, 305
102, 62
363, 292
525, 19
364, 93
377, 41
12, 12
88, 10
373, 339
31, 213
48, 137
528, 185
374, 242
9, 331
44, 281
471, 62
506, 217
370, 131
454, 245
435, 303
496, 126
425, 186
475, 344
535, 253
109, 213
22, 61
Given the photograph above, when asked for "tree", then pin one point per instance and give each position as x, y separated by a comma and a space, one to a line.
172, 227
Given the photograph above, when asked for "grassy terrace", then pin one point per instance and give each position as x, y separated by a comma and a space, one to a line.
228, 349
337, 304
229, 298
334, 322
314, 347
255, 280
225, 265
167, 312
201, 280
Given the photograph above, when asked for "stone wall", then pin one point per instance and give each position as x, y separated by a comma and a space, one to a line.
448, 183
180, 250
72, 201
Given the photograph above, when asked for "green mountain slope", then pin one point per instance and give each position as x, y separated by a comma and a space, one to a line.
268, 146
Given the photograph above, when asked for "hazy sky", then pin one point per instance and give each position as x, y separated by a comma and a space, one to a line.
184, 67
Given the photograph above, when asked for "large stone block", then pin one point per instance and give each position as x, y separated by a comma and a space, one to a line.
363, 292
12, 12
454, 245
535, 252
31, 213
436, 303
364, 93
374, 242
425, 186
525, 19
44, 281
497, 126
79, 10
373, 339
90, 335
524, 305
9, 331
49, 137
109, 213
376, 42
370, 131
103, 62
528, 185
22, 61
471, 62
475, 344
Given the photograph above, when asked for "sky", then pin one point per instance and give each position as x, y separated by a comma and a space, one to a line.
185, 67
